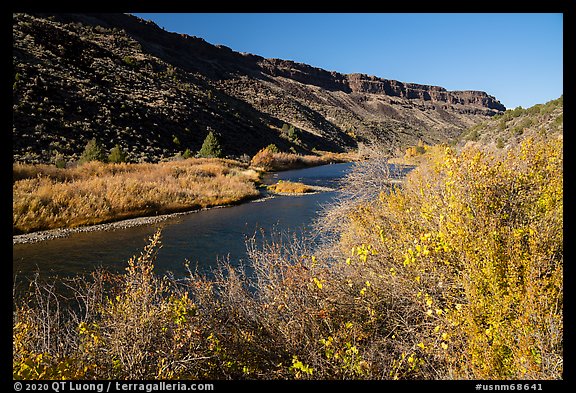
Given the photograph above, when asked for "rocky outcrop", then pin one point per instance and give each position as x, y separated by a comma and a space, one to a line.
361, 83
303, 73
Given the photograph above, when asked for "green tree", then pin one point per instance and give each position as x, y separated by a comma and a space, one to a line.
59, 160
210, 147
93, 152
117, 155
187, 153
473, 135
292, 133
273, 148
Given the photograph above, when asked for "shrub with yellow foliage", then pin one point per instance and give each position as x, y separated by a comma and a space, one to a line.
471, 248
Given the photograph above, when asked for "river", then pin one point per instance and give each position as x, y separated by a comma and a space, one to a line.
201, 238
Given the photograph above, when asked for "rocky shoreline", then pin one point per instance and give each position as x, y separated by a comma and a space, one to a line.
50, 234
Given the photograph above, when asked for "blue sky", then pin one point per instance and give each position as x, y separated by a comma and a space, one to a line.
518, 58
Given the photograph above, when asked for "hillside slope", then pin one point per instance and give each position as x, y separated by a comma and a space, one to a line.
514, 125
126, 81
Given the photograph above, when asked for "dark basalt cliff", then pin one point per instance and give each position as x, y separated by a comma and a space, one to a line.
126, 81
361, 83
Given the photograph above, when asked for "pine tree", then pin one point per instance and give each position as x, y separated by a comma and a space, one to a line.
93, 152
117, 155
187, 154
210, 147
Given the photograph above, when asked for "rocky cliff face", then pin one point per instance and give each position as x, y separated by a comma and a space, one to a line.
361, 83
126, 81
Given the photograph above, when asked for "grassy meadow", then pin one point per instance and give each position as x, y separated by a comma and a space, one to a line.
46, 197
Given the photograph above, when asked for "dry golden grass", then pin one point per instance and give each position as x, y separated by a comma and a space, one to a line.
267, 160
45, 197
290, 187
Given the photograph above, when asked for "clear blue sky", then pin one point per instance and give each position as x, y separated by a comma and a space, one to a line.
518, 58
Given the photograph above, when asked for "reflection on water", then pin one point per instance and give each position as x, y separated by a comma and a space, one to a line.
201, 238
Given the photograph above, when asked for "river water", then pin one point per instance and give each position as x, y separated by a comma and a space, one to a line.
201, 239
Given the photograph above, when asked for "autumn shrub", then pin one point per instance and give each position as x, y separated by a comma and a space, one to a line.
468, 255
289, 187
131, 326
270, 159
42, 341
416, 150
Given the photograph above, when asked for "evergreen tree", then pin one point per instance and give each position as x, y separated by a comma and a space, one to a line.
187, 153
210, 147
272, 148
93, 152
59, 160
117, 155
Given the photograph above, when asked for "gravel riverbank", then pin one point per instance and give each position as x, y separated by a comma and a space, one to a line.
35, 237
40, 236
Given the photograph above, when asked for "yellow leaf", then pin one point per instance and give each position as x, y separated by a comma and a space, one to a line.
317, 282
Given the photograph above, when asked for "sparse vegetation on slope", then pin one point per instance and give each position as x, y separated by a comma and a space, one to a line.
514, 125
126, 81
